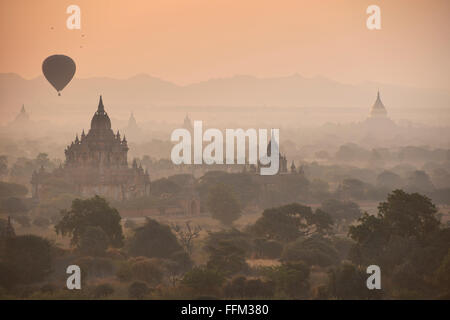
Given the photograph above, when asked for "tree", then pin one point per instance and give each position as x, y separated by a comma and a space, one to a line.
42, 160
143, 269
13, 206
187, 235
243, 288
103, 290
93, 212
270, 249
409, 214
419, 181
405, 239
288, 222
291, 279
164, 186
203, 280
341, 210
94, 241
138, 290
244, 187
92, 266
390, 180
3, 165
313, 251
8, 275
153, 240
227, 251
223, 204
347, 282
8, 190
403, 214
30, 258
352, 188
443, 275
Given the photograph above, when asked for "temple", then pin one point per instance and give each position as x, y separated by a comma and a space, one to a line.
96, 164
282, 160
132, 129
22, 120
378, 120
378, 109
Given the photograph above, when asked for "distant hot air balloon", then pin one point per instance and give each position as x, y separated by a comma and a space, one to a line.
58, 70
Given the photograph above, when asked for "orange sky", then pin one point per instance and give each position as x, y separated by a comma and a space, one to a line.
186, 41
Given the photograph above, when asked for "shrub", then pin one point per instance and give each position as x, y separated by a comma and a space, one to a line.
103, 290
138, 290
153, 240
95, 267
30, 257
203, 281
291, 279
313, 251
142, 269
241, 288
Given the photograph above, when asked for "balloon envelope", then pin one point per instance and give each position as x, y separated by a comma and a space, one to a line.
58, 70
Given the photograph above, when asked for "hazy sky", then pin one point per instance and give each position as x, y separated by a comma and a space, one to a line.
186, 41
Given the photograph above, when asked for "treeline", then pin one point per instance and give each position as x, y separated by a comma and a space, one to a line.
305, 256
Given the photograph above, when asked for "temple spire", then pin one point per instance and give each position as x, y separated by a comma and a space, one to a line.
378, 109
101, 108
9, 232
293, 168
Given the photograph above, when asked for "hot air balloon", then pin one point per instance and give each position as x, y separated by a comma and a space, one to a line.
58, 70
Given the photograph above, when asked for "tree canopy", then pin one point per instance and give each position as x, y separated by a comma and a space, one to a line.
93, 212
153, 240
223, 204
288, 222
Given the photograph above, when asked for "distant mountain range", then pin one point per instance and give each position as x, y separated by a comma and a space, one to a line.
144, 91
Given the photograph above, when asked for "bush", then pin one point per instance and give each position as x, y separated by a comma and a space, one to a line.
290, 279
443, 274
103, 290
347, 282
181, 262
203, 281
143, 269
313, 251
227, 251
30, 257
95, 267
8, 275
242, 288
153, 240
48, 288
138, 290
